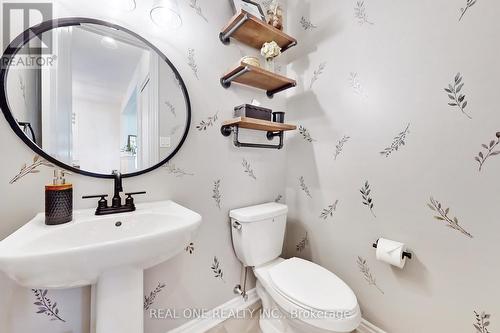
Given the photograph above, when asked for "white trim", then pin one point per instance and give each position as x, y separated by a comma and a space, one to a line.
367, 327
202, 325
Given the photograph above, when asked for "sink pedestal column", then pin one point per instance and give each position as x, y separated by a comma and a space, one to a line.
119, 301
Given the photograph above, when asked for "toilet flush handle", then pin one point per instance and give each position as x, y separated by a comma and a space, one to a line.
237, 225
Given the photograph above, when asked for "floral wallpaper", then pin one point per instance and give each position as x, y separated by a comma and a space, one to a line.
414, 123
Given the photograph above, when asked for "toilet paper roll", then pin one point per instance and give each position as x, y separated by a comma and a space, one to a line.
391, 252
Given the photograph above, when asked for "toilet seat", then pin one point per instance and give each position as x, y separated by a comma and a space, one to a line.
302, 295
312, 287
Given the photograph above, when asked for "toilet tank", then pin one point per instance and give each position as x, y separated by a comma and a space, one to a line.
258, 232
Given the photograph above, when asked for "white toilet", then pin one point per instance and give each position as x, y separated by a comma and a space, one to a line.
298, 296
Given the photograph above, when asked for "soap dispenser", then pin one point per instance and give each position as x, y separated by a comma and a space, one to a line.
58, 200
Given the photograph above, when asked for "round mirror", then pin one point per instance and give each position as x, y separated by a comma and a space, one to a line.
93, 97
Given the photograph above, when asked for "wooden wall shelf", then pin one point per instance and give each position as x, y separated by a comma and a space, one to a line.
258, 78
273, 130
254, 32
259, 125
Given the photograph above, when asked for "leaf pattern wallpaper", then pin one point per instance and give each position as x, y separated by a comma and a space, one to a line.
305, 134
456, 96
468, 5
46, 306
407, 144
365, 270
317, 73
192, 62
482, 322
247, 168
177, 172
208, 122
339, 148
303, 243
304, 187
217, 196
442, 215
216, 269
328, 212
150, 299
360, 13
398, 142
366, 194
31, 169
189, 248
307, 24
490, 150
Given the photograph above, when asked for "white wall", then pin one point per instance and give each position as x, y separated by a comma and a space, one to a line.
206, 156
403, 60
98, 135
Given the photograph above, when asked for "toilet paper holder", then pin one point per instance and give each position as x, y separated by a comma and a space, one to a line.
405, 254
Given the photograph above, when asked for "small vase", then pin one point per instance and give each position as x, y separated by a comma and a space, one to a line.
270, 65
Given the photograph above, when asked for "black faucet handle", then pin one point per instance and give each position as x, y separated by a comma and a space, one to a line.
129, 201
95, 196
102, 203
135, 193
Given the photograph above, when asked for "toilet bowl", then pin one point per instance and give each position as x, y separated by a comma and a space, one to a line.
298, 296
304, 297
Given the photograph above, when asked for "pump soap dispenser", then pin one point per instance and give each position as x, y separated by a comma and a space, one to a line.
58, 200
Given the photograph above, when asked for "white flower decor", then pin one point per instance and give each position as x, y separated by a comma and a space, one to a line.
270, 50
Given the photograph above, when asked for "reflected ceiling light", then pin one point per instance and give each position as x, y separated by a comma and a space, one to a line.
126, 5
166, 14
109, 43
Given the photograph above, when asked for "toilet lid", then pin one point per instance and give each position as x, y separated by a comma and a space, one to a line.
312, 286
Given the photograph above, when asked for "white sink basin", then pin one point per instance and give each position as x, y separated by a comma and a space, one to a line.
108, 252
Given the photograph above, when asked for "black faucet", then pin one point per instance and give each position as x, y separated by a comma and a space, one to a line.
117, 200
116, 203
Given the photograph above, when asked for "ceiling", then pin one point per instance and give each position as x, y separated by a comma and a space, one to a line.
101, 73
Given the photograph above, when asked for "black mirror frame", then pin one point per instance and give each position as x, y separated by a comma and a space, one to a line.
37, 30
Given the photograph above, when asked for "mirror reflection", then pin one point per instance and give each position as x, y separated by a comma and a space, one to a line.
107, 102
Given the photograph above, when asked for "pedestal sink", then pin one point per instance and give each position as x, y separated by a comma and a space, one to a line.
110, 253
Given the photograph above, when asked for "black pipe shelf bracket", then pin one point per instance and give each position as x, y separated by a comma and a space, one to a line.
226, 80
271, 93
292, 44
225, 38
227, 130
